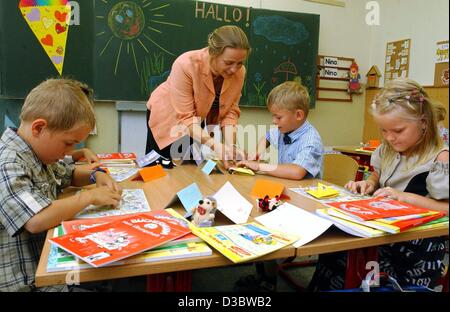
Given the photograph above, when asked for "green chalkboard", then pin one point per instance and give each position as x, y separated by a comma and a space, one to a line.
125, 49
23, 61
129, 67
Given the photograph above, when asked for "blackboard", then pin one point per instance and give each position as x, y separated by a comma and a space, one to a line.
128, 63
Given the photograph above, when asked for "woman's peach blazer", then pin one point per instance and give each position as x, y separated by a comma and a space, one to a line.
187, 95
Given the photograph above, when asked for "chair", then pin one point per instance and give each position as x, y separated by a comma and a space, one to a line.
337, 169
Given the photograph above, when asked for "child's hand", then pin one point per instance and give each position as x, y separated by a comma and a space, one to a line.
361, 187
90, 156
254, 165
390, 193
103, 196
104, 179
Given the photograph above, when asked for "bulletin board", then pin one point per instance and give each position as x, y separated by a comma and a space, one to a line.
441, 65
397, 60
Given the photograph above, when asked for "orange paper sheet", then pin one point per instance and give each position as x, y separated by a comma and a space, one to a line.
152, 173
266, 187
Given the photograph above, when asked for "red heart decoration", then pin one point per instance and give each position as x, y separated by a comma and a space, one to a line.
61, 16
60, 29
48, 40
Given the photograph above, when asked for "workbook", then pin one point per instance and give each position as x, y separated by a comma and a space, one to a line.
123, 238
60, 260
133, 201
244, 242
377, 208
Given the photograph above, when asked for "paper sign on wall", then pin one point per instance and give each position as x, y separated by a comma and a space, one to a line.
49, 21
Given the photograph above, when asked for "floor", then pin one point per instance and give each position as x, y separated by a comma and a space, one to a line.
222, 279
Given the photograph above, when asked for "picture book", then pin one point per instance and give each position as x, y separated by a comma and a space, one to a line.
170, 215
377, 208
350, 227
343, 196
133, 201
119, 239
60, 260
243, 242
294, 220
441, 222
120, 174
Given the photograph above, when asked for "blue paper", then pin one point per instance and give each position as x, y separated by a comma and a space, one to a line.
209, 166
189, 197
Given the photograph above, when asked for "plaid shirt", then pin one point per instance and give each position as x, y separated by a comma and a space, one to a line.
26, 187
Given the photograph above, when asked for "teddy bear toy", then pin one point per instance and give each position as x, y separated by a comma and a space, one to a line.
205, 212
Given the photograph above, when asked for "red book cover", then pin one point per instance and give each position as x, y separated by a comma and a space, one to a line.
407, 224
83, 224
113, 157
377, 208
119, 239
117, 156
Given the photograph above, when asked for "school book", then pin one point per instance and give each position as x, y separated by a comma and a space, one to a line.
114, 159
377, 208
133, 201
170, 215
244, 242
60, 260
393, 228
350, 227
119, 239
120, 174
343, 196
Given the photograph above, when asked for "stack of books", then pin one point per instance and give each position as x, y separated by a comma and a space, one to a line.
140, 237
114, 160
380, 216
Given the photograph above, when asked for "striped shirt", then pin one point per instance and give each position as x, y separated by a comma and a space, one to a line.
26, 187
305, 149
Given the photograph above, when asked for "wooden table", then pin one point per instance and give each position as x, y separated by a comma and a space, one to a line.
160, 192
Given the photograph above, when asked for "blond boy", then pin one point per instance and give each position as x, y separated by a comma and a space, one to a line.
56, 115
300, 149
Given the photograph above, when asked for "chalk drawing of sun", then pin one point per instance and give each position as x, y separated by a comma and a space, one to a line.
135, 24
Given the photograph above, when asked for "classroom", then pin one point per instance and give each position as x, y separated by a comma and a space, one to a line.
311, 100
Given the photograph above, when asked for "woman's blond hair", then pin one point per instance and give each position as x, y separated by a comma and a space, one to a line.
229, 36
290, 95
63, 103
407, 98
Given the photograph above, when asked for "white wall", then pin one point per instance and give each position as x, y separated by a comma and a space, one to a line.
425, 22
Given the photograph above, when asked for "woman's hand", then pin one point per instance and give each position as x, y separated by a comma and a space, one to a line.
361, 187
254, 165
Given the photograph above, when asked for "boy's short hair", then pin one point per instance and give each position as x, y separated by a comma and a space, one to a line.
63, 103
289, 95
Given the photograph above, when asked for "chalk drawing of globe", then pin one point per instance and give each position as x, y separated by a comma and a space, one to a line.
126, 20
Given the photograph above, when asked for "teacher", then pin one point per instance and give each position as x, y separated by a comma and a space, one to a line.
203, 88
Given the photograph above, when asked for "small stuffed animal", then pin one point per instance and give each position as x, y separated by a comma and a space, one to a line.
268, 204
205, 212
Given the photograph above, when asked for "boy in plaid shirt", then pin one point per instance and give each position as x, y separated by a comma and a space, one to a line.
56, 116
